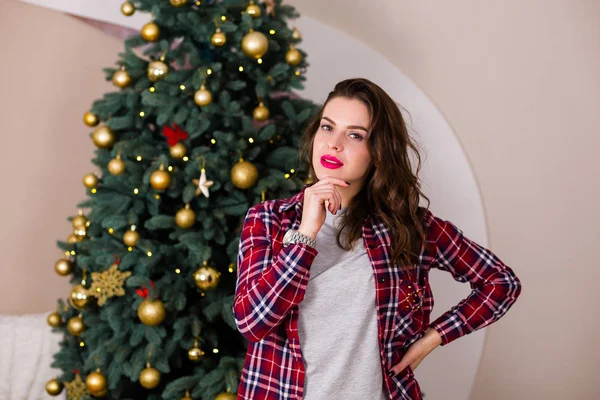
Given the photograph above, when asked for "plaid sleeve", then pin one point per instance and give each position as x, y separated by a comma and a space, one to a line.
495, 285
267, 289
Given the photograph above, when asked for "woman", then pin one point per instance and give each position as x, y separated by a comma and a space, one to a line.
333, 289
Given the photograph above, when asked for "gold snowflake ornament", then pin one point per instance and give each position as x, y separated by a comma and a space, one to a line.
76, 389
108, 283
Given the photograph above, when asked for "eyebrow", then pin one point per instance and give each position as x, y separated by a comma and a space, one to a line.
349, 126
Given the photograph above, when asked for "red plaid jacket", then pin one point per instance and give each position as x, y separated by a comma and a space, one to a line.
272, 280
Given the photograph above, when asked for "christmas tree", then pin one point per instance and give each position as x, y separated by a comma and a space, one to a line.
201, 126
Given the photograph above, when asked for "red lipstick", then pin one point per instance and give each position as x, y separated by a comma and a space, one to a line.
331, 162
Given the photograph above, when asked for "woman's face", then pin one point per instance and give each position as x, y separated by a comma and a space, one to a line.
342, 138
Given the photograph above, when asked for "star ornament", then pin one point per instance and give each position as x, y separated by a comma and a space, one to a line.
76, 389
108, 283
202, 184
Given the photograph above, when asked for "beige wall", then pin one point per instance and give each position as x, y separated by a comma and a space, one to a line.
518, 81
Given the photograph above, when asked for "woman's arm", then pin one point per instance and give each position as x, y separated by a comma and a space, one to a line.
266, 290
495, 285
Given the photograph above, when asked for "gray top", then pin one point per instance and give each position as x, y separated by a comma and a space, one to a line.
337, 322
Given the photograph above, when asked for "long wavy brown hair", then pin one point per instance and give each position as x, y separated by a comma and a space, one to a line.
392, 190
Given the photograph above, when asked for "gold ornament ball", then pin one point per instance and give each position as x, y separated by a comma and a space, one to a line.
96, 383
116, 166
261, 113
244, 175
218, 39
206, 277
195, 354
79, 221
90, 181
54, 319
178, 3
75, 326
253, 10
296, 35
127, 9
185, 218
90, 119
150, 32
63, 267
255, 44
121, 79
157, 70
54, 387
151, 312
149, 377
73, 239
79, 297
130, 238
226, 396
160, 179
293, 57
202, 97
187, 396
178, 151
80, 233
103, 137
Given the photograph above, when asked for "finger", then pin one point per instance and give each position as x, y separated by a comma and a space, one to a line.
330, 197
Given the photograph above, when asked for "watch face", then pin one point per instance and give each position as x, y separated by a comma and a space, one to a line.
287, 236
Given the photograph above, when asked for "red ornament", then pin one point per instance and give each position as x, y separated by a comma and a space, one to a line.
174, 135
143, 292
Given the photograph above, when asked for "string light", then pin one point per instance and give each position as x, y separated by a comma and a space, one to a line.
259, 60
139, 158
129, 249
135, 191
213, 141
157, 196
149, 254
251, 140
94, 190
111, 230
152, 89
209, 71
272, 31
170, 168
186, 158
177, 271
241, 68
142, 113
182, 87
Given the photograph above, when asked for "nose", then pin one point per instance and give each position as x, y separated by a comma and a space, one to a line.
333, 143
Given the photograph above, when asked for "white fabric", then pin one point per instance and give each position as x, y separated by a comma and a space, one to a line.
27, 345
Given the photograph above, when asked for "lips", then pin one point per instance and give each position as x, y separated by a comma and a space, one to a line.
331, 162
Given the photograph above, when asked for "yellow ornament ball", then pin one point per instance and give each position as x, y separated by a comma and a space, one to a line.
75, 326
226, 396
151, 312
80, 221
202, 97
72, 238
261, 113
127, 9
90, 119
206, 277
54, 319
150, 32
96, 383
253, 10
255, 44
178, 3
54, 387
296, 35
79, 297
90, 181
185, 218
131, 238
80, 233
160, 179
157, 70
178, 151
195, 354
293, 56
244, 175
218, 39
121, 78
149, 377
116, 166
103, 137
63, 267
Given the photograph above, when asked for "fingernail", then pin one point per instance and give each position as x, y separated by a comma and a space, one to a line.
390, 373
340, 207
347, 182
